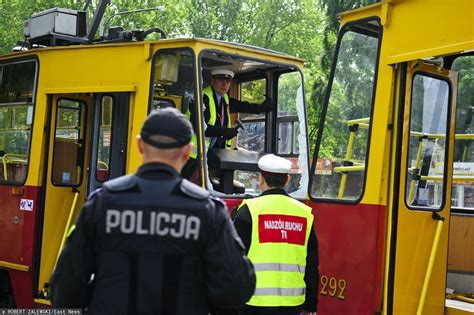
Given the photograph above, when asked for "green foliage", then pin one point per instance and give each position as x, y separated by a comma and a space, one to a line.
304, 28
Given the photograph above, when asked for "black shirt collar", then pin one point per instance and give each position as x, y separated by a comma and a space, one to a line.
154, 169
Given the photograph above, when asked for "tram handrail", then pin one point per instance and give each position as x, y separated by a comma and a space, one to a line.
429, 268
105, 165
353, 124
10, 157
365, 120
354, 168
440, 177
68, 223
457, 136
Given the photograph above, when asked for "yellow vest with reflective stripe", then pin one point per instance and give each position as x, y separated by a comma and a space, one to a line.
194, 149
281, 227
213, 112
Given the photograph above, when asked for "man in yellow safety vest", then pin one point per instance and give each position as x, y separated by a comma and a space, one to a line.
278, 232
217, 109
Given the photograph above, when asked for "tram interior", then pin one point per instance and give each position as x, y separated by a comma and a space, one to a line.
235, 171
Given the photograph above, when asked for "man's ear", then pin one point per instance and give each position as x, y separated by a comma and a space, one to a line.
287, 179
140, 144
187, 151
261, 180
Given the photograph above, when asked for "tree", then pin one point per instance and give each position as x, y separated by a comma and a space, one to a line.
318, 90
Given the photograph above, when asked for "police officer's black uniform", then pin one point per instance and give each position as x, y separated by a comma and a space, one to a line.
156, 244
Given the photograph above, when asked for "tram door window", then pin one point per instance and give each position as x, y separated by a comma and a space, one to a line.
68, 154
342, 148
427, 142
109, 140
17, 83
105, 139
463, 181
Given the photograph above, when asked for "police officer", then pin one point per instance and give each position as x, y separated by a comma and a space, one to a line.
151, 242
279, 234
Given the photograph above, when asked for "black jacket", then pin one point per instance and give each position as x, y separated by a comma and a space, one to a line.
153, 244
243, 225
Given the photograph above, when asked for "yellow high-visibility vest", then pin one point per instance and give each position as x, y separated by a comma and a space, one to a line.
212, 120
213, 111
281, 227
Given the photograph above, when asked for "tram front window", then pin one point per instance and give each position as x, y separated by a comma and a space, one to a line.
234, 170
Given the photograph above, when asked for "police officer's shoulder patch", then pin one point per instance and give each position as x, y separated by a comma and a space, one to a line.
193, 190
218, 200
121, 183
94, 193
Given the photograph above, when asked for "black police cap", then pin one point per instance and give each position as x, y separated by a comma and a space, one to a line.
167, 122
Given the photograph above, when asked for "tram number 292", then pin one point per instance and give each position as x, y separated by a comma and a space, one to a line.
333, 287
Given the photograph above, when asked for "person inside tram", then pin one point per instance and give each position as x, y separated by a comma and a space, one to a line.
217, 109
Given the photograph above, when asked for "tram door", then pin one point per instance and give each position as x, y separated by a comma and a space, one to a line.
421, 206
87, 146
109, 144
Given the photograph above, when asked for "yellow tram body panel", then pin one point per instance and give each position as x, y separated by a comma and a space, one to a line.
414, 34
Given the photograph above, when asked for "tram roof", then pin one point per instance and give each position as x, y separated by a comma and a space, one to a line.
169, 42
420, 29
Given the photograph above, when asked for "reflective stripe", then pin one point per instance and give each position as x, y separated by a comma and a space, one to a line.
280, 291
279, 267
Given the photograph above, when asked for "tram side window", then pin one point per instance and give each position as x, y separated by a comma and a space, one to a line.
291, 139
173, 80
463, 168
68, 156
105, 139
427, 142
342, 153
17, 82
174, 85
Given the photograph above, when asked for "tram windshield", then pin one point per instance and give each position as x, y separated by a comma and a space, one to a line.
281, 131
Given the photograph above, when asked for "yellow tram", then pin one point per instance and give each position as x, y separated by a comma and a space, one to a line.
390, 182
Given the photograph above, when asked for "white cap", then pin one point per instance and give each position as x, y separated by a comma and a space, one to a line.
226, 73
274, 164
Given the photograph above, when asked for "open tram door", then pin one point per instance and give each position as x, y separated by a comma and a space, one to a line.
421, 189
87, 146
